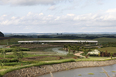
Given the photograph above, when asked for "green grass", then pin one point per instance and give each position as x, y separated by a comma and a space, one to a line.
36, 64
108, 49
106, 39
9, 69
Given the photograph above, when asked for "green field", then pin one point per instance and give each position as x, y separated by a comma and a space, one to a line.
108, 49
101, 40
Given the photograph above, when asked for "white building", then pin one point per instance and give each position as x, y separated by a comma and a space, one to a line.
59, 41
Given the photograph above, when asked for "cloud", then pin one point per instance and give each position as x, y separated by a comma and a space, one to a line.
52, 8
30, 2
70, 14
99, 2
41, 14
66, 22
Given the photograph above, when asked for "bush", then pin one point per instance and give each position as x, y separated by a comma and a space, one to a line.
10, 64
5, 60
24, 49
70, 55
10, 56
14, 60
9, 50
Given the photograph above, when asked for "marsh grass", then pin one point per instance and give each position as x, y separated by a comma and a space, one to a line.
102, 72
79, 75
113, 71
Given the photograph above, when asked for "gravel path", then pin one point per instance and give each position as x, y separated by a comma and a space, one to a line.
79, 54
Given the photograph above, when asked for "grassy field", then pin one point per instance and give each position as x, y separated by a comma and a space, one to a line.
101, 40
108, 49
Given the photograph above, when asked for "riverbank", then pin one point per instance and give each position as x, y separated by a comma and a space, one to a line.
45, 69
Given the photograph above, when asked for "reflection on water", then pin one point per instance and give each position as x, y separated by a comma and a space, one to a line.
59, 51
97, 71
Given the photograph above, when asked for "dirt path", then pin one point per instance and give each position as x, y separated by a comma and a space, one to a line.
78, 54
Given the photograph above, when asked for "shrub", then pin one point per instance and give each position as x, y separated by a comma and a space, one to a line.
10, 64
24, 49
70, 55
14, 60
9, 50
10, 56
5, 60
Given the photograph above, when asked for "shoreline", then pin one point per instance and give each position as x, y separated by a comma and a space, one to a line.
35, 71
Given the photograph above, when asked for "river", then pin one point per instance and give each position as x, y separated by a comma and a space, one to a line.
84, 72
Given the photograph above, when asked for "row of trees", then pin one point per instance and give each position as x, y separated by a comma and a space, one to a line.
70, 48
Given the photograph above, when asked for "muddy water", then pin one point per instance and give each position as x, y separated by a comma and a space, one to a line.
84, 72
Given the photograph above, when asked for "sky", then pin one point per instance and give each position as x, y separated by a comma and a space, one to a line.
57, 16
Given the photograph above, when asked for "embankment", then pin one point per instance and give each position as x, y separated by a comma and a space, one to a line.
44, 69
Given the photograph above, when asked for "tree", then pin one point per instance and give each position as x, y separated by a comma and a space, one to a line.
3, 52
17, 53
85, 52
111, 54
77, 48
69, 49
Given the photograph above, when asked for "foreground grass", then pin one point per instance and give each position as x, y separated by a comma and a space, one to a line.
36, 64
7, 69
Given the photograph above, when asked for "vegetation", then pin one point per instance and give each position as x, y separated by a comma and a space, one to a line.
91, 73
79, 75
27, 55
108, 49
